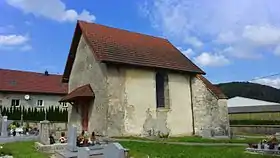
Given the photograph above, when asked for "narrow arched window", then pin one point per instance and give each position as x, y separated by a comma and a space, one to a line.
162, 90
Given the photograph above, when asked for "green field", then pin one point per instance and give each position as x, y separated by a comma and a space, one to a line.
255, 116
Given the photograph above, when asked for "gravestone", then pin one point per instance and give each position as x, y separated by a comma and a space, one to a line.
4, 127
114, 150
44, 132
72, 138
83, 152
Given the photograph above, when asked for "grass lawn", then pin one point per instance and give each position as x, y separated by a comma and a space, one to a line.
22, 150
199, 139
143, 150
158, 150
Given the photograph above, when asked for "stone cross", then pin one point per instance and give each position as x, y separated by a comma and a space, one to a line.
114, 150
72, 138
4, 128
44, 132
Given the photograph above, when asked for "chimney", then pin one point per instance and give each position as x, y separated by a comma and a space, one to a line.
46, 73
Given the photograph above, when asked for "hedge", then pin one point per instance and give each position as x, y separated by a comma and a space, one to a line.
255, 122
35, 114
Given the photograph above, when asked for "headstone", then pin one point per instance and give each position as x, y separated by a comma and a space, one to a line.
259, 146
114, 150
72, 138
4, 128
266, 147
44, 133
84, 152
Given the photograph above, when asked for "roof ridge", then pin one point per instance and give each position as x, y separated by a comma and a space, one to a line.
27, 71
111, 27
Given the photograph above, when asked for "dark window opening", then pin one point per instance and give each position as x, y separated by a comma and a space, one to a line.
161, 89
40, 103
15, 102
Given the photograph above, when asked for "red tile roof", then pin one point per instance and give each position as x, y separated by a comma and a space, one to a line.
31, 82
124, 47
80, 92
214, 89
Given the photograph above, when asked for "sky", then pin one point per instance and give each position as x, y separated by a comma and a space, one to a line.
231, 40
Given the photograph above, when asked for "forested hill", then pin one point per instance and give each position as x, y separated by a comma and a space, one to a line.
250, 90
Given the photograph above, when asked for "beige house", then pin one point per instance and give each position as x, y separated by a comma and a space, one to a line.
123, 83
31, 89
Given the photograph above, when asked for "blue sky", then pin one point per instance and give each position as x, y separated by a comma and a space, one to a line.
231, 40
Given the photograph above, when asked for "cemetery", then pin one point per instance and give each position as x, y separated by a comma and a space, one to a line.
270, 146
70, 144
74, 147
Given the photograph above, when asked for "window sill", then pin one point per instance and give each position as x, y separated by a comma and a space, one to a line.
163, 109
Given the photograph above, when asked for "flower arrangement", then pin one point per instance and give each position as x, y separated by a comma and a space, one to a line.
12, 127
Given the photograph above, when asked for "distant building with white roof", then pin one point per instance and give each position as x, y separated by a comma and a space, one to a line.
247, 105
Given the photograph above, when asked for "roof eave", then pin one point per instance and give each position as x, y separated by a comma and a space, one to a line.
72, 53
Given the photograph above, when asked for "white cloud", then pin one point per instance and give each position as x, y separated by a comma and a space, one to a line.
188, 53
14, 42
209, 59
52, 9
250, 27
269, 82
10, 40
226, 38
194, 41
262, 35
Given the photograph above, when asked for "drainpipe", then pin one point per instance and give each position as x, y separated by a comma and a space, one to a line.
191, 91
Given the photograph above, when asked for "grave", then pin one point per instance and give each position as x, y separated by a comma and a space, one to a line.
270, 147
4, 127
104, 150
43, 145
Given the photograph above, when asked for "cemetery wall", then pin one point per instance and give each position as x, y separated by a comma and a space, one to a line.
54, 126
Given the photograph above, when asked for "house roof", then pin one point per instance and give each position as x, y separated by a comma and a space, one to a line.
242, 102
214, 89
114, 45
84, 91
31, 82
254, 109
